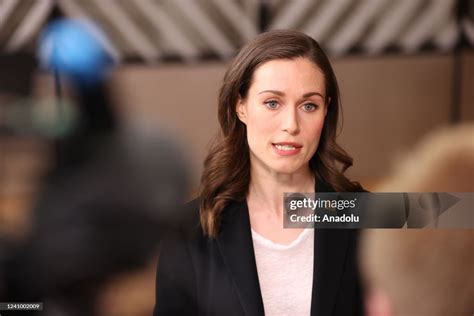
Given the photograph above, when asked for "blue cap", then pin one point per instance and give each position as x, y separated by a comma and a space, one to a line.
76, 49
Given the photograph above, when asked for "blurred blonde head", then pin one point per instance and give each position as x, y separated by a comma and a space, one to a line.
424, 272
442, 162
418, 272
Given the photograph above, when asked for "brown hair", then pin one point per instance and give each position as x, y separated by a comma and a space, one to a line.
226, 174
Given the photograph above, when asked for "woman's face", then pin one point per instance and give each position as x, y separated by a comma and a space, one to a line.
284, 113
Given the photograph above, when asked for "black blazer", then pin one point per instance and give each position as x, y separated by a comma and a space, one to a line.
202, 276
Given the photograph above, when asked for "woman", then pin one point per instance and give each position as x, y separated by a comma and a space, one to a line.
278, 113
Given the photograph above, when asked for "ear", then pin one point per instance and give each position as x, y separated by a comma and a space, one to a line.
241, 109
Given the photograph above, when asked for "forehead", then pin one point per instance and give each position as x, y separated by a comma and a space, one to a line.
282, 74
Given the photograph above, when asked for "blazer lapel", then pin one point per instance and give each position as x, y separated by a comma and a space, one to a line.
236, 246
330, 248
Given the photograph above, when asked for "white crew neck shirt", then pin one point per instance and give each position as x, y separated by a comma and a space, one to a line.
285, 274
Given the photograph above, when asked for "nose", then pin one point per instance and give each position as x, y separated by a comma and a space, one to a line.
290, 122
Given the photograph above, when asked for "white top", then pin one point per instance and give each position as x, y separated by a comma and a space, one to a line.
285, 273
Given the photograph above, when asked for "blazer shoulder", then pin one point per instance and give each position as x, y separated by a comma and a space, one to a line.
232, 211
190, 229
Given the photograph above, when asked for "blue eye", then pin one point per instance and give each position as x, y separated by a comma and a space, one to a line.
309, 107
272, 104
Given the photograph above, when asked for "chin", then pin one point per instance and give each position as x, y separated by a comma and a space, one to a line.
286, 168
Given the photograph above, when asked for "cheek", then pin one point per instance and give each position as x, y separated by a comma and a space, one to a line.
258, 135
260, 129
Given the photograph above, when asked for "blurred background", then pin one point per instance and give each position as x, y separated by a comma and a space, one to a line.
405, 69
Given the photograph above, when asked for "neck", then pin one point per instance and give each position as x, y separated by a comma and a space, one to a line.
267, 188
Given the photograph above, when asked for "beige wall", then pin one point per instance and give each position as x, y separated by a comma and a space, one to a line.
388, 103
183, 98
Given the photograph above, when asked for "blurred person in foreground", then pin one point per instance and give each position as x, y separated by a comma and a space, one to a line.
278, 111
424, 272
111, 196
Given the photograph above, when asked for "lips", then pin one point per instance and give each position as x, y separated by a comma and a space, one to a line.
287, 148
287, 145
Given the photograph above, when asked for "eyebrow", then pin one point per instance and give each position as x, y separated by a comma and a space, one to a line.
280, 93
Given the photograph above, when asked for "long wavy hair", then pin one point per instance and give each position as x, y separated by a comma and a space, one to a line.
226, 174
